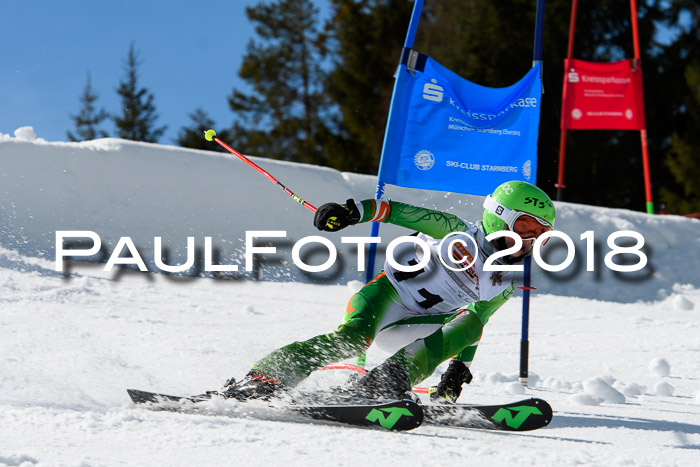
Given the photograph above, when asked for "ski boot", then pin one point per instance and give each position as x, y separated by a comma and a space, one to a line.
255, 385
450, 386
388, 381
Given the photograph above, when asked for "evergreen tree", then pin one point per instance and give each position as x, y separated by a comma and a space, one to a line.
489, 43
137, 121
683, 157
193, 136
284, 117
367, 38
89, 118
684, 162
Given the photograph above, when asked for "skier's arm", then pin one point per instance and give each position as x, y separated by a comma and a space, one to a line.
484, 310
332, 217
437, 224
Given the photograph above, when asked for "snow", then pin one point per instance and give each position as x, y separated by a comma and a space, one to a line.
660, 366
616, 358
682, 303
662, 388
143, 191
515, 388
598, 386
25, 133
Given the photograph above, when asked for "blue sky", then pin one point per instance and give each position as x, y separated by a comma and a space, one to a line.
190, 53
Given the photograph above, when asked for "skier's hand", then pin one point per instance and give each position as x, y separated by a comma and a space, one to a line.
332, 217
450, 386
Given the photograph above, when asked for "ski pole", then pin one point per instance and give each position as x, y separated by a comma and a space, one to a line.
210, 135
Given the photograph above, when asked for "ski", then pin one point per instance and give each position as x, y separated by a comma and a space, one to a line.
145, 397
394, 415
525, 415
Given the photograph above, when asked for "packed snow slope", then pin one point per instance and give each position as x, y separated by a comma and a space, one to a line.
119, 188
616, 357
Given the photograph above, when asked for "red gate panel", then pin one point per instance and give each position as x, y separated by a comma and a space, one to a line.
602, 96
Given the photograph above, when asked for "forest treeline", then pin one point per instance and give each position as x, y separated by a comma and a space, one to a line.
319, 88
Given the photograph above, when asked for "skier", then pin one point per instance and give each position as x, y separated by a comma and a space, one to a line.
439, 310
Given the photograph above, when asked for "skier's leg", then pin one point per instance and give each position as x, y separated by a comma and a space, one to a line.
420, 358
366, 311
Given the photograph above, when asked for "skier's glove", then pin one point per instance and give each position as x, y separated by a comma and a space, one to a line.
332, 217
450, 386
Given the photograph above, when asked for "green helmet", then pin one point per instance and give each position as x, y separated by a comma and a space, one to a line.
511, 199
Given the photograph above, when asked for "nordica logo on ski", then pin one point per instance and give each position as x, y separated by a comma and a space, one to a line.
523, 413
388, 422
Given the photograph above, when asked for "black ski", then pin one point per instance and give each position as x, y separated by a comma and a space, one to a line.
525, 415
394, 415
145, 397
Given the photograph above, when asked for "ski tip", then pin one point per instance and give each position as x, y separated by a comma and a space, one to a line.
140, 397
209, 135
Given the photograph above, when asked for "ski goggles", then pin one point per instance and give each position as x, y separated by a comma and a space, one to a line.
528, 226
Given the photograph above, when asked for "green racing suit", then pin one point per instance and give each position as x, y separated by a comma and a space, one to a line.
439, 313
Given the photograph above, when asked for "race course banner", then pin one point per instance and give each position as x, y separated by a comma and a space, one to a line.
450, 134
602, 96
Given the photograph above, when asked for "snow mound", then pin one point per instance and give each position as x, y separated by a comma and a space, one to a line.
515, 388
681, 303
499, 378
662, 388
556, 383
355, 286
600, 388
631, 389
25, 133
660, 367
583, 398
19, 460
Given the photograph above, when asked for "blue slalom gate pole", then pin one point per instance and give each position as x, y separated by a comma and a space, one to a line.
374, 232
407, 46
524, 337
